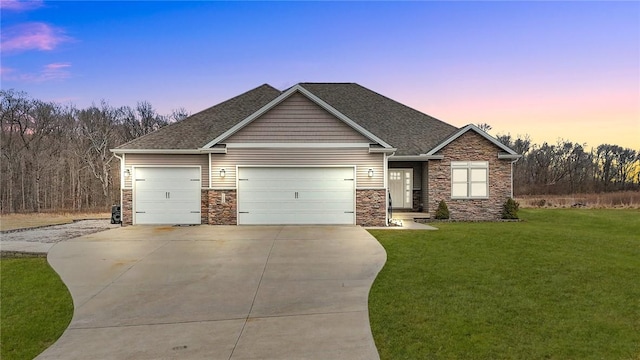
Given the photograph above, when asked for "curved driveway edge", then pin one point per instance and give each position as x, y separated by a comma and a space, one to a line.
219, 292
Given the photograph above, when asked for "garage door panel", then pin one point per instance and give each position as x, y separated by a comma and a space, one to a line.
302, 218
267, 195
296, 196
326, 195
167, 195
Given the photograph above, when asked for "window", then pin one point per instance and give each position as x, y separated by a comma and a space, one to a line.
469, 179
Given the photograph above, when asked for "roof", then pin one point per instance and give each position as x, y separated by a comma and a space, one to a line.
404, 128
198, 129
386, 122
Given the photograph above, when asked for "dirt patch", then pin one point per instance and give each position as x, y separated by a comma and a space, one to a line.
57, 233
16, 222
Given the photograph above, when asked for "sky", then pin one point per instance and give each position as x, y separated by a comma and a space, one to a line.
550, 70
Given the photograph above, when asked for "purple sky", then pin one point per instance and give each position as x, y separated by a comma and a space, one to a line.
552, 70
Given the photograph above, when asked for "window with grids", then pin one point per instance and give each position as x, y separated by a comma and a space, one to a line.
469, 179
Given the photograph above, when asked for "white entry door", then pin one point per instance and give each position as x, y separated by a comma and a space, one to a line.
401, 188
293, 195
167, 195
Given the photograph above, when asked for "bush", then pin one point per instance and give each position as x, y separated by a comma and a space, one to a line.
443, 211
510, 209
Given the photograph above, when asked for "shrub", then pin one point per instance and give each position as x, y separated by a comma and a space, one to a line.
510, 209
443, 211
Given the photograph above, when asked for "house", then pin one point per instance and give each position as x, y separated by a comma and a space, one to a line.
316, 153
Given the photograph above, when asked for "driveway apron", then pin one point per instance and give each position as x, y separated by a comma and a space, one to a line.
219, 292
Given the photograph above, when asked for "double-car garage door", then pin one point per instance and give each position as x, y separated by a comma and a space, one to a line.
266, 195
295, 195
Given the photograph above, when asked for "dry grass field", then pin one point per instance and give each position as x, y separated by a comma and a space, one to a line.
615, 200
21, 221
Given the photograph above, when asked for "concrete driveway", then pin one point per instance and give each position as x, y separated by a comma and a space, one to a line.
219, 292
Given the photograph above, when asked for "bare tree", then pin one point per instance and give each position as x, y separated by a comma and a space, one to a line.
484, 127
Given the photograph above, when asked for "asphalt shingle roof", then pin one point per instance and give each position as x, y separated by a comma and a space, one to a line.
199, 129
402, 127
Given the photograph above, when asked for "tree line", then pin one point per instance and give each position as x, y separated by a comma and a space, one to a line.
56, 157
569, 168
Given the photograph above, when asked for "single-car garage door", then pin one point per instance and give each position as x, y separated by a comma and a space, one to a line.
167, 195
293, 195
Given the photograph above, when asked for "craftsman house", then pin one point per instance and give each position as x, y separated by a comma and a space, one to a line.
316, 153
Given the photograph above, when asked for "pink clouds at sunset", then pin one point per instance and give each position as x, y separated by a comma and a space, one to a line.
32, 36
17, 5
49, 72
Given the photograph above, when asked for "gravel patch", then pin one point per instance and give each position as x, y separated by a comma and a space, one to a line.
57, 233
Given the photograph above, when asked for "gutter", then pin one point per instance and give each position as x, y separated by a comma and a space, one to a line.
421, 157
171, 151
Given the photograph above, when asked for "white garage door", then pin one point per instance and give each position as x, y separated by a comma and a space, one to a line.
296, 196
167, 195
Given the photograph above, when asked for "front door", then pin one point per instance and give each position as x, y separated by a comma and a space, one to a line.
401, 188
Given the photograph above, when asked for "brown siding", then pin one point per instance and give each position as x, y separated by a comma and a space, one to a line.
297, 120
167, 160
299, 157
470, 147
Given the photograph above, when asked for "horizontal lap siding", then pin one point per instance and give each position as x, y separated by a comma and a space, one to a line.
361, 158
166, 161
297, 120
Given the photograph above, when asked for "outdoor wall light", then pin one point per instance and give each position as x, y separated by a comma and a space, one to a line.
370, 173
127, 172
223, 172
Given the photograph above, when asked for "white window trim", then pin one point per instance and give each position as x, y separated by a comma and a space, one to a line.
468, 165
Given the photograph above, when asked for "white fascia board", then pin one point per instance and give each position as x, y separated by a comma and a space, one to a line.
284, 96
478, 131
169, 151
422, 157
382, 150
504, 156
298, 145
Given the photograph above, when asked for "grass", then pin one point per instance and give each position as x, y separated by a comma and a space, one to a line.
22, 221
563, 284
618, 199
35, 307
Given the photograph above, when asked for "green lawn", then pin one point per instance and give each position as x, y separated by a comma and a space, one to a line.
35, 307
563, 284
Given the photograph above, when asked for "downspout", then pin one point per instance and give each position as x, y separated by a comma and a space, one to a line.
121, 176
386, 185
513, 162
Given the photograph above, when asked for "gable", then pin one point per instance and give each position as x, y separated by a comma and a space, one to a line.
297, 119
469, 146
466, 133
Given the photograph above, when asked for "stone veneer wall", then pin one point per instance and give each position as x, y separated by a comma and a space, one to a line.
469, 147
204, 207
371, 207
219, 213
127, 207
